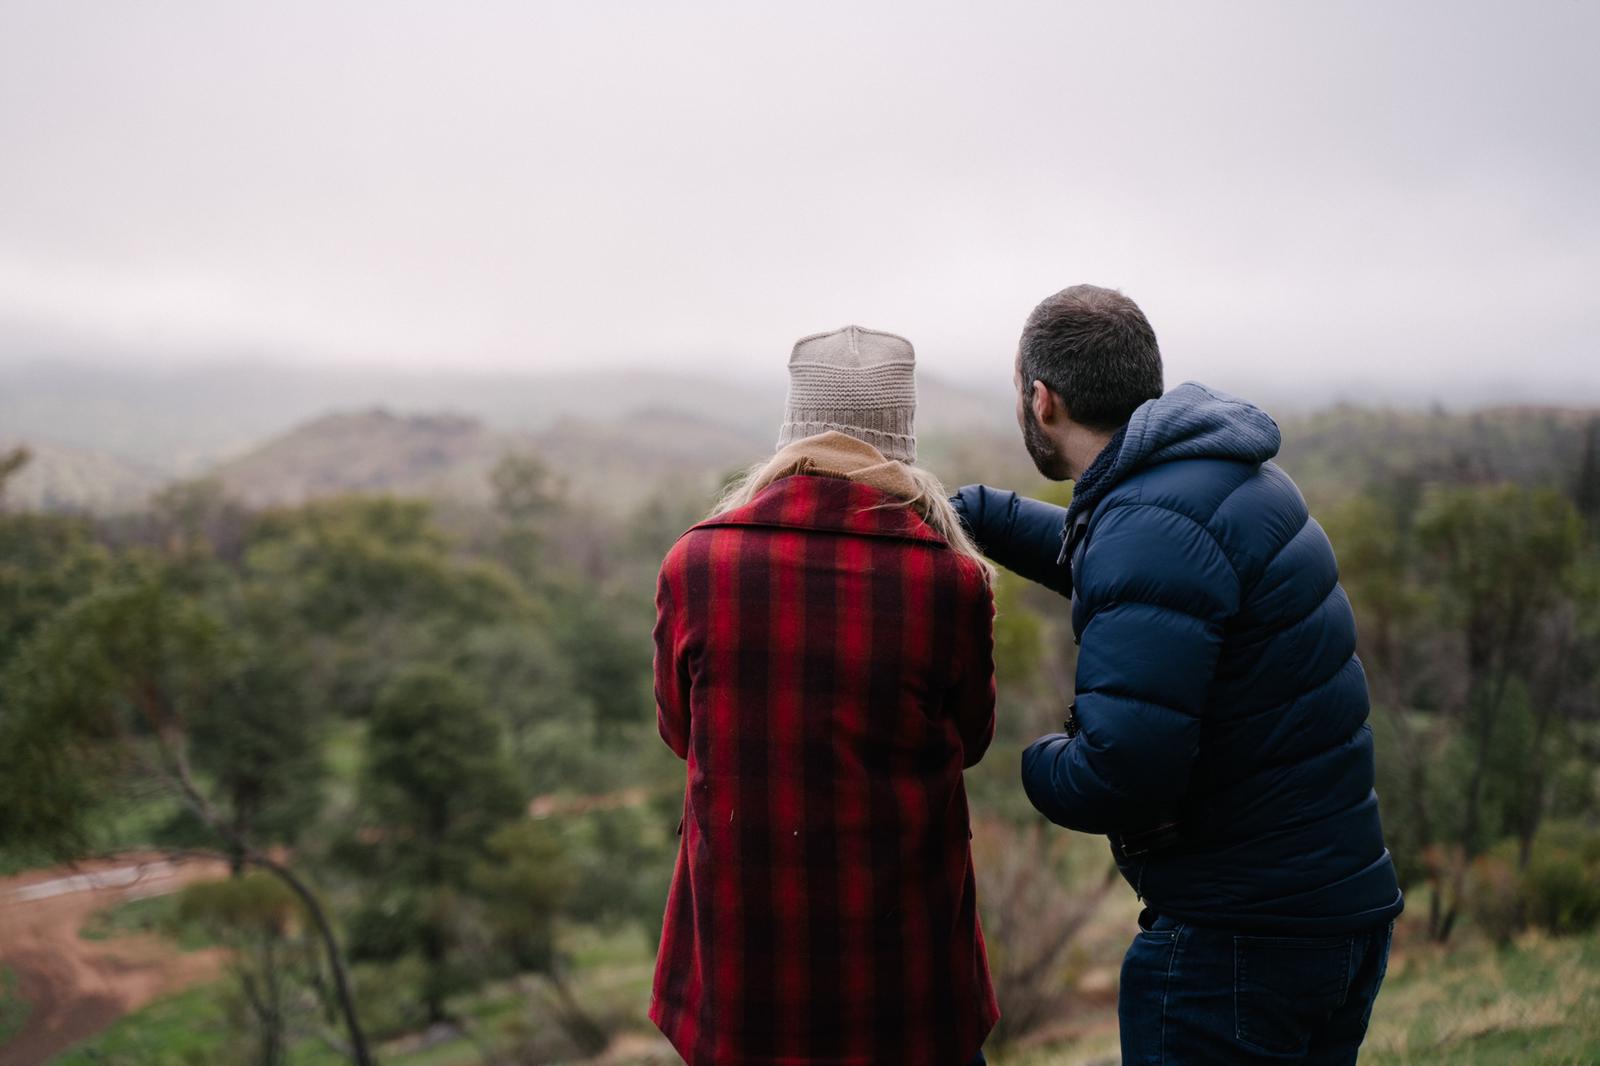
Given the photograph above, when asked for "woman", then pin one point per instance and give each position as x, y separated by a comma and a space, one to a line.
824, 662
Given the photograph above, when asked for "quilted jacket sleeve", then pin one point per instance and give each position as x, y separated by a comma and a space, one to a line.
1020, 534
1155, 592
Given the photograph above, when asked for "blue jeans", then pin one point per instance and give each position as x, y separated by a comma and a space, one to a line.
1193, 995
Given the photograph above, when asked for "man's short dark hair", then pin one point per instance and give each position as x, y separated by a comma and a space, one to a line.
1094, 348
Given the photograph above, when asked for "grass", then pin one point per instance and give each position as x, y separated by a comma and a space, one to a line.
193, 1027
13, 1008
182, 1029
16, 860
1102, 1048
157, 914
190, 1028
1535, 1001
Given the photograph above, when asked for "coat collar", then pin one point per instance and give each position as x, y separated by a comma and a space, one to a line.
838, 454
834, 504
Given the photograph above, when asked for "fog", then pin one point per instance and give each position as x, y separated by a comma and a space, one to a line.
1312, 197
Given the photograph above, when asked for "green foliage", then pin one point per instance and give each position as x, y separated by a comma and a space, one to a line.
606, 665
349, 638
114, 674
436, 785
1473, 624
254, 904
1556, 889
191, 1028
525, 489
622, 861
46, 561
436, 777
391, 994
1561, 885
1039, 888
274, 960
525, 880
1535, 1001
11, 461
362, 560
14, 1010
1018, 633
258, 739
159, 915
1502, 552
349, 679
1390, 454
197, 520
526, 496
525, 674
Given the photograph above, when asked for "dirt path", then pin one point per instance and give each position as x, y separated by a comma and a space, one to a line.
78, 987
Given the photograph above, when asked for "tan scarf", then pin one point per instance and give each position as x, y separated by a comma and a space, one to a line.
835, 454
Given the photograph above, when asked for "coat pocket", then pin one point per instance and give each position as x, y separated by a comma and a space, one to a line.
1286, 988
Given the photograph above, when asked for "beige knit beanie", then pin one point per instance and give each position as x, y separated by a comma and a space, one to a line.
858, 381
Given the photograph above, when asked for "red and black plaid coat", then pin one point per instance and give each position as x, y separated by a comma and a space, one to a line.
825, 664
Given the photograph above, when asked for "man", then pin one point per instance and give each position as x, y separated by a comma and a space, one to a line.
1218, 735
824, 663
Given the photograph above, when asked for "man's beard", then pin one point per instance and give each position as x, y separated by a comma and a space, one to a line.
1044, 452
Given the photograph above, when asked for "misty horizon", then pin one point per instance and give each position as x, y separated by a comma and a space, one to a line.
1302, 199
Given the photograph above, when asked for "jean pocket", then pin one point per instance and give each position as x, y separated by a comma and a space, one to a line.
1286, 988
1377, 983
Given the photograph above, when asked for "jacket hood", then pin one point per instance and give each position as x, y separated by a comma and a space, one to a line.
1189, 422
1194, 422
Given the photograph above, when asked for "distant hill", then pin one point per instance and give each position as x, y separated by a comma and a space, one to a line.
1347, 449
372, 451
186, 420
182, 421
61, 478
619, 463
613, 464
103, 440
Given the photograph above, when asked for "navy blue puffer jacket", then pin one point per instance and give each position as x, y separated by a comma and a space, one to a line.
1218, 689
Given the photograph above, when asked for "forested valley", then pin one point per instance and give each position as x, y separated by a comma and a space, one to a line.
404, 744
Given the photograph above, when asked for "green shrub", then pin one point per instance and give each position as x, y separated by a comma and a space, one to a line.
1561, 884
14, 1009
389, 996
1495, 896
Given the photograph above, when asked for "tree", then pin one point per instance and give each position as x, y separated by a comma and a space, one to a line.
525, 882
1377, 553
197, 517
261, 920
257, 741
436, 786
1039, 889
46, 562
523, 671
610, 664
374, 585
1501, 558
104, 694
1586, 493
10, 463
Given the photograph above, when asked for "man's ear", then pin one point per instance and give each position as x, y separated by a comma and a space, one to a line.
1047, 407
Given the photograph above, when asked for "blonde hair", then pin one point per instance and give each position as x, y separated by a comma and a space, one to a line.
931, 502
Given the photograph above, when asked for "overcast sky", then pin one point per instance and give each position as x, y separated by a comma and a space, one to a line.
1297, 193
